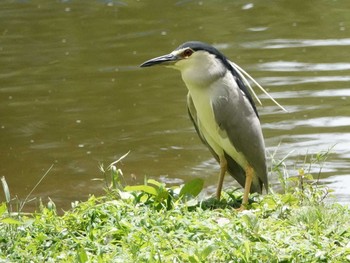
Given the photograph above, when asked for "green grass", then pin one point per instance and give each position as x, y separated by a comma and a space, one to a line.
156, 223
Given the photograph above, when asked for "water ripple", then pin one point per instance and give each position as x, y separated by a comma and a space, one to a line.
315, 122
288, 66
315, 142
296, 43
285, 81
343, 93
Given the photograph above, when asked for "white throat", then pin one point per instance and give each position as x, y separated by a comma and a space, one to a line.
201, 69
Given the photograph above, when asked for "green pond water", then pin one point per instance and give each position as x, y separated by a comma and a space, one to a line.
72, 93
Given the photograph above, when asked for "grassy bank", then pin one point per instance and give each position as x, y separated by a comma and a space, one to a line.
154, 223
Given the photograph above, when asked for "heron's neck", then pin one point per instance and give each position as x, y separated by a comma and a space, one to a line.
202, 76
203, 71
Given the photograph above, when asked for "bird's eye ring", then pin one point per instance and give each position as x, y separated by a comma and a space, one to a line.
187, 53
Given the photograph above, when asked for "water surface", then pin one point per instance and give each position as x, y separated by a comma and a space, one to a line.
72, 94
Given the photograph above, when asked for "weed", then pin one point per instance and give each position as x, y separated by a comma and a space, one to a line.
156, 223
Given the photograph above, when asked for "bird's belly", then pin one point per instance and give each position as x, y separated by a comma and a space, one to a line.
211, 131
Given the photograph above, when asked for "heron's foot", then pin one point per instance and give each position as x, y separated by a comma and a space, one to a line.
241, 208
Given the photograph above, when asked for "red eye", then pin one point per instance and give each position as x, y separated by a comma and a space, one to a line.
187, 53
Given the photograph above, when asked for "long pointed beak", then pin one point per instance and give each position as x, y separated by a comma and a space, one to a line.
166, 59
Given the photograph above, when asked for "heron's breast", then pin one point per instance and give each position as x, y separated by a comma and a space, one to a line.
216, 138
203, 104
202, 100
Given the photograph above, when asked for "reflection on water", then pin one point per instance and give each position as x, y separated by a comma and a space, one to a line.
297, 43
72, 94
289, 66
316, 122
284, 81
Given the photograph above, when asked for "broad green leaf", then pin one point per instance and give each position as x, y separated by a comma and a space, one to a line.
162, 194
290, 199
206, 251
192, 188
154, 182
82, 256
3, 209
144, 188
309, 177
247, 250
11, 221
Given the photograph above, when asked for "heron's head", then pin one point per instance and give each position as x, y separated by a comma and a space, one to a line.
195, 60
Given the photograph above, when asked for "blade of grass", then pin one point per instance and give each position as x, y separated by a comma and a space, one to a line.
117, 161
6, 189
42, 178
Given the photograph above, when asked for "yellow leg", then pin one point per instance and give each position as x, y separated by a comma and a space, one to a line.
248, 182
223, 169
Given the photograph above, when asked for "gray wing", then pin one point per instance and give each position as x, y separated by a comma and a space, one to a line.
234, 169
238, 121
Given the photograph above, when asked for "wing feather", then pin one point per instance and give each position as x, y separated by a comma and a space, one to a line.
238, 121
234, 169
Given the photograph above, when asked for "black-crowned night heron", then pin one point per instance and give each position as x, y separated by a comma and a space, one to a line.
223, 113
